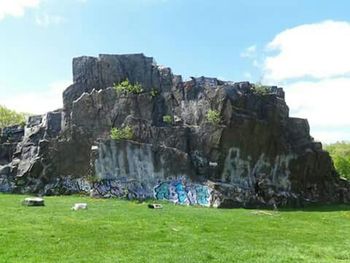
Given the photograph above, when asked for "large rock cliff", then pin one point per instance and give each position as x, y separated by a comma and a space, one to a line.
256, 155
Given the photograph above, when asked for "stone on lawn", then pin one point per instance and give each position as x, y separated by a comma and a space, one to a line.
33, 201
155, 206
79, 206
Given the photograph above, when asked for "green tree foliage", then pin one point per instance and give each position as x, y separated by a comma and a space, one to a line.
10, 117
340, 153
213, 116
125, 133
126, 86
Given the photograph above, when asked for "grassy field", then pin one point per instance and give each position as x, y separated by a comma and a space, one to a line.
121, 231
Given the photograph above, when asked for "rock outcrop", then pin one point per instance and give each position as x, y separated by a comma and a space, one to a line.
255, 155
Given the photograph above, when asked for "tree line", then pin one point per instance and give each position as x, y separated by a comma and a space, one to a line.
10, 117
340, 153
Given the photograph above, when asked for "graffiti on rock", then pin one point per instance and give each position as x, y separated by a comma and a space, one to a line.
76, 185
186, 194
5, 185
161, 191
202, 195
246, 173
263, 179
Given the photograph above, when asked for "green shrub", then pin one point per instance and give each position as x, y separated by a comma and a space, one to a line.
260, 89
125, 133
167, 119
340, 153
126, 86
10, 117
213, 116
154, 93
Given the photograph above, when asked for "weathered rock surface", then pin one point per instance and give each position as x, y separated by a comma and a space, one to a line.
256, 156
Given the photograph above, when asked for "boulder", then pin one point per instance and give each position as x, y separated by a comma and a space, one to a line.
155, 206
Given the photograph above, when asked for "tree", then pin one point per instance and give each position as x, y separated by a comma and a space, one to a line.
340, 153
9, 117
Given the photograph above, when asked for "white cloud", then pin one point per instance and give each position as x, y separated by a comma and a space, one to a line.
16, 8
37, 102
46, 20
328, 136
325, 103
249, 52
313, 50
313, 64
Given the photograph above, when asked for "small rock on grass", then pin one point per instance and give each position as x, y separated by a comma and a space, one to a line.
155, 206
33, 201
80, 206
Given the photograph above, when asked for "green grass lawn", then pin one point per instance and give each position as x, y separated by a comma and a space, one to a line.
121, 231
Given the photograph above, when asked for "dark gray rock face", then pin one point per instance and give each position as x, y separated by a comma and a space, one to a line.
256, 155
98, 73
12, 134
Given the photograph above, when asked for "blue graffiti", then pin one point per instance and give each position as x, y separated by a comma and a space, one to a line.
202, 194
162, 191
187, 194
181, 193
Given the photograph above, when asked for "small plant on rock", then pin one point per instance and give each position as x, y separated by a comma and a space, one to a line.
260, 89
125, 133
168, 119
126, 86
154, 93
213, 116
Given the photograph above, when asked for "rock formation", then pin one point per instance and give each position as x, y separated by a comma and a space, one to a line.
256, 155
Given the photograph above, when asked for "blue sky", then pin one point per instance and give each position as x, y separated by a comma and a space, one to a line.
295, 44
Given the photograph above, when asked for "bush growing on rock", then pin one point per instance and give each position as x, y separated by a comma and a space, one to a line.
167, 119
260, 89
213, 116
126, 86
154, 93
125, 133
